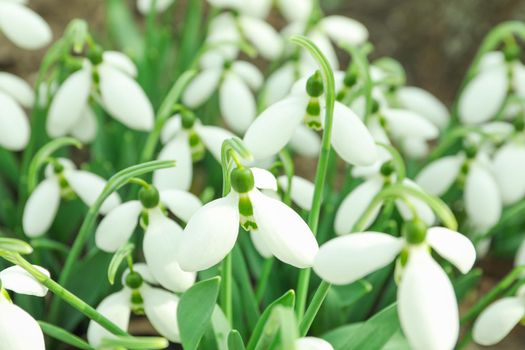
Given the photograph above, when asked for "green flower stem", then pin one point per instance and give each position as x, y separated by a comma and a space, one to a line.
397, 159
114, 183
226, 292
322, 165
488, 298
64, 336
313, 308
66, 295
165, 111
359, 56
508, 214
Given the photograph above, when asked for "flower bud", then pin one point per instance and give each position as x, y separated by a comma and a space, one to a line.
187, 119
134, 280
387, 168
94, 55
314, 85
350, 78
242, 180
415, 231
149, 197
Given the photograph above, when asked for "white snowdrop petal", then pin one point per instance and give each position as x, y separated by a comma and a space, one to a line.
348, 258
209, 235
482, 198
69, 102
272, 130
302, 191
115, 229
17, 88
518, 81
508, 168
295, 10
20, 281
284, 232
171, 128
260, 244
415, 148
144, 6
323, 43
85, 130
256, 8
115, 307
180, 176
453, 246
423, 103
312, 343
497, 320
437, 177
279, 83
41, 208
213, 137
14, 125
355, 204
249, 73
232, 4
160, 307
483, 96
405, 123
425, 213
124, 99
427, 305
160, 241
121, 61
344, 30
519, 259
263, 36
143, 270
306, 142
18, 329
181, 203
351, 139
237, 103
23, 26
264, 179
201, 87
88, 187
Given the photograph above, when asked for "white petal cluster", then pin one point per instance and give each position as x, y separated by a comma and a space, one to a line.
145, 6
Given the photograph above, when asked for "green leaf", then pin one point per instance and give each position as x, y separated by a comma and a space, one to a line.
464, 283
13, 245
195, 311
64, 336
235, 341
117, 259
135, 343
350, 293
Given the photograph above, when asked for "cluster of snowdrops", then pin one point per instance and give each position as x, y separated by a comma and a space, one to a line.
182, 185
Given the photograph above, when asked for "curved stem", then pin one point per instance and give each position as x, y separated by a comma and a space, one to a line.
397, 159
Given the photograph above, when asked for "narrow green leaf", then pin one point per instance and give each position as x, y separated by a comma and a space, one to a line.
64, 336
135, 343
195, 311
235, 341
117, 259
221, 328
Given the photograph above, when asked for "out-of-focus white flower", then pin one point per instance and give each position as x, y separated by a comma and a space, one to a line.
145, 6
519, 259
62, 180
236, 82
508, 167
111, 83
423, 103
481, 193
485, 94
427, 304
15, 93
22, 26
139, 297
18, 329
185, 141
312, 343
280, 123
162, 235
497, 320
212, 232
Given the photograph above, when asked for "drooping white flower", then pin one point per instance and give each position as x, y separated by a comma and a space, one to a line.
140, 297
18, 329
484, 95
212, 231
508, 167
108, 81
236, 82
280, 122
161, 237
427, 304
481, 194
144, 6
22, 26
62, 180
312, 343
15, 93
498, 320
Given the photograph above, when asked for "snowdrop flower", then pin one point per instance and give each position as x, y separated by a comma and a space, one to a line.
18, 329
23, 26
356, 202
248, 25
499, 75
472, 169
312, 343
138, 296
62, 180
15, 93
498, 320
212, 231
283, 121
162, 234
235, 82
145, 6
427, 304
107, 78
